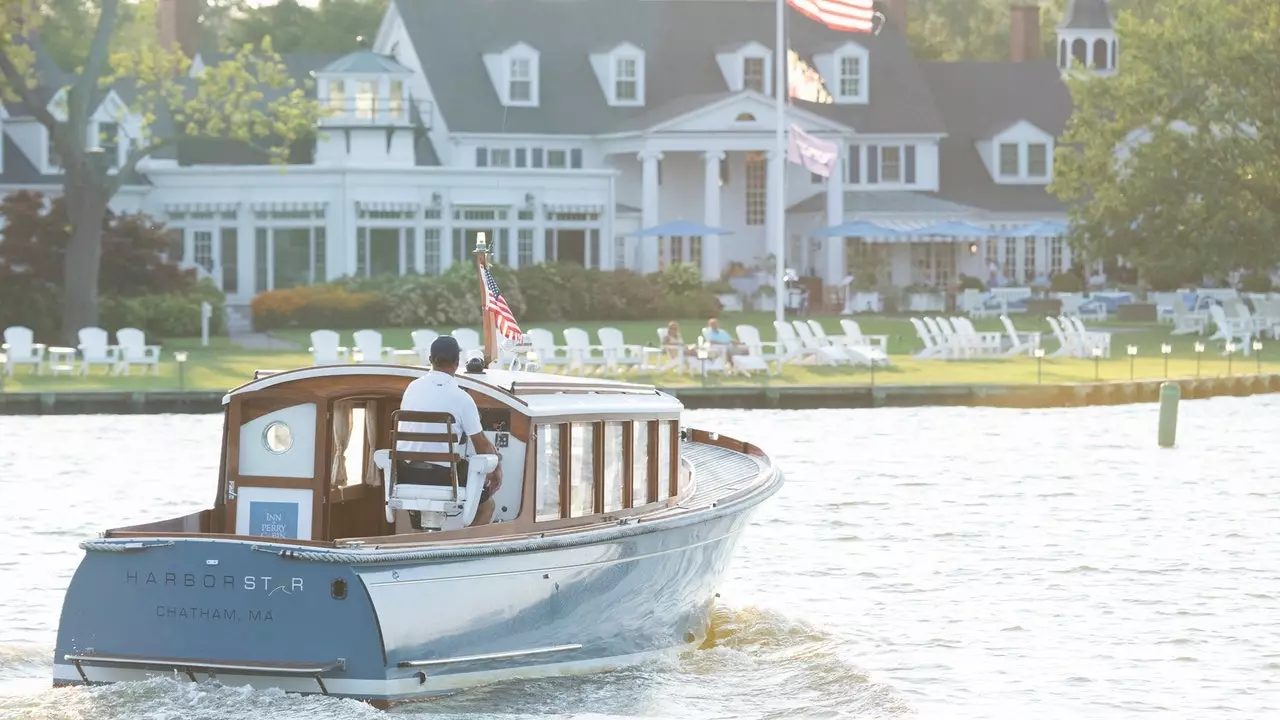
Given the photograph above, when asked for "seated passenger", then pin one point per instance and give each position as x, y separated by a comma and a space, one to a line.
721, 337
438, 391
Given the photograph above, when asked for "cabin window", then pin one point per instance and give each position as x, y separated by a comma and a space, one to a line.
664, 460
582, 469
613, 459
640, 464
548, 492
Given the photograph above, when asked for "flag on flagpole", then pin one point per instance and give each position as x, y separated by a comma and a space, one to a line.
846, 15
817, 155
503, 320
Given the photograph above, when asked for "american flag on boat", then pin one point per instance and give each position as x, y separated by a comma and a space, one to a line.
846, 15
502, 317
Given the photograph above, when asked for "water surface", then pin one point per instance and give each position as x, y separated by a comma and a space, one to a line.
931, 562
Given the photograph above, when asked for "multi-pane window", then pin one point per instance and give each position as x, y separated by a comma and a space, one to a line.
626, 80
891, 164
500, 157
556, 158
1029, 259
431, 252
850, 76
1009, 159
547, 493
1009, 262
202, 248
1055, 255
109, 141
753, 74
524, 247
756, 193
1037, 160
520, 87
664, 459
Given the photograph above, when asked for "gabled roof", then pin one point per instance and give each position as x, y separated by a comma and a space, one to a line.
680, 41
1087, 15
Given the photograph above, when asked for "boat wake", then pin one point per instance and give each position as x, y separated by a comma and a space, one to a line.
755, 663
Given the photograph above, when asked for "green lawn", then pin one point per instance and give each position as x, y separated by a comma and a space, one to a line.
223, 365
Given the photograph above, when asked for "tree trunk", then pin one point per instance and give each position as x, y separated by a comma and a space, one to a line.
86, 208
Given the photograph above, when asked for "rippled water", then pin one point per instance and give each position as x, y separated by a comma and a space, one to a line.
936, 562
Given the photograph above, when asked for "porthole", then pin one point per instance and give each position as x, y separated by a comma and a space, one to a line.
278, 438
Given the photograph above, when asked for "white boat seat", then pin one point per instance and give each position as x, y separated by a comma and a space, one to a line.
442, 507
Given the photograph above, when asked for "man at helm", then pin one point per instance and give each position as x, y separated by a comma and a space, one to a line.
438, 391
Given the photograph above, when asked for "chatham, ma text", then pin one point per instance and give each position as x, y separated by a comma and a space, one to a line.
208, 613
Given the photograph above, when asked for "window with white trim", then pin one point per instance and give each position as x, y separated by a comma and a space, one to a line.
850, 76
366, 99
520, 81
1009, 160
626, 79
337, 96
755, 188
753, 71
1037, 160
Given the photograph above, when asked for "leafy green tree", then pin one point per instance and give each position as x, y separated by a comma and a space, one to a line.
250, 99
1171, 163
331, 26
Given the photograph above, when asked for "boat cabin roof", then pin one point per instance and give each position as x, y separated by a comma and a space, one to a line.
530, 393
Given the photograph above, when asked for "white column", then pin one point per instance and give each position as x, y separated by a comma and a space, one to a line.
608, 246
834, 272
539, 234
775, 206
711, 214
649, 159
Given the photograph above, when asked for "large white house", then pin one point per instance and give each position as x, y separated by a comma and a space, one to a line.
561, 127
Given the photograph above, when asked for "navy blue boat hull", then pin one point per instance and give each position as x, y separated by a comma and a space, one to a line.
314, 621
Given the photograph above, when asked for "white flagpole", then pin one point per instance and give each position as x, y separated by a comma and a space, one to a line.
780, 163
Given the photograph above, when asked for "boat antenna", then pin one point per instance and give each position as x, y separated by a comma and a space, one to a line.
486, 319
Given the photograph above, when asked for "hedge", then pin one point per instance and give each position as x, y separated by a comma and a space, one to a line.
536, 293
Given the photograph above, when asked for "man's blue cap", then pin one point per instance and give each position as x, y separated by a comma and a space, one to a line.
446, 348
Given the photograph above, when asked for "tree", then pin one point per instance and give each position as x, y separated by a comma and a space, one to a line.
1171, 163
249, 99
331, 26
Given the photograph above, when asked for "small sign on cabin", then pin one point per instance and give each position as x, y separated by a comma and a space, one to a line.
273, 519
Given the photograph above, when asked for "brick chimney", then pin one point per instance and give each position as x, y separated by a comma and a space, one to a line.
179, 22
895, 14
1024, 32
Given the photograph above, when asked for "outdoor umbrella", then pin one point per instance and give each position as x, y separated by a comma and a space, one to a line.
856, 228
680, 228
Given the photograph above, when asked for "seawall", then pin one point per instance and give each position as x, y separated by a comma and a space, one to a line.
746, 397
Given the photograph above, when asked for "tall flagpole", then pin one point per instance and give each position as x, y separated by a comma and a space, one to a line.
780, 159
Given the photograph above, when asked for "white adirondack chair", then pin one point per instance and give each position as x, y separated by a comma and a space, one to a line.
1019, 342
22, 349
325, 349
582, 354
1090, 338
618, 353
422, 340
134, 350
1231, 329
945, 336
933, 347
853, 336
1187, 321
859, 353
544, 346
824, 354
96, 350
980, 343
369, 344
796, 350
469, 342
768, 352
1068, 343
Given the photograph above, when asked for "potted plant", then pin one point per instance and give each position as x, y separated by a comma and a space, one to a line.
919, 297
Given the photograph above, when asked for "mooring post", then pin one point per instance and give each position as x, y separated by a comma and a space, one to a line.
1170, 393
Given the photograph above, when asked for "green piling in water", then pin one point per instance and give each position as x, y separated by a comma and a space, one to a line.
1170, 393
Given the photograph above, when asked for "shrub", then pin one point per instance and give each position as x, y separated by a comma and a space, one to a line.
968, 282
317, 306
1255, 282
166, 316
1066, 282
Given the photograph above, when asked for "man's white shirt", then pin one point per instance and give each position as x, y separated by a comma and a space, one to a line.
439, 392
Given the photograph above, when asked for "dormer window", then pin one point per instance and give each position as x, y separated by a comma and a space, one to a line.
520, 81
625, 79
1037, 160
844, 69
337, 96
753, 69
850, 76
1009, 160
